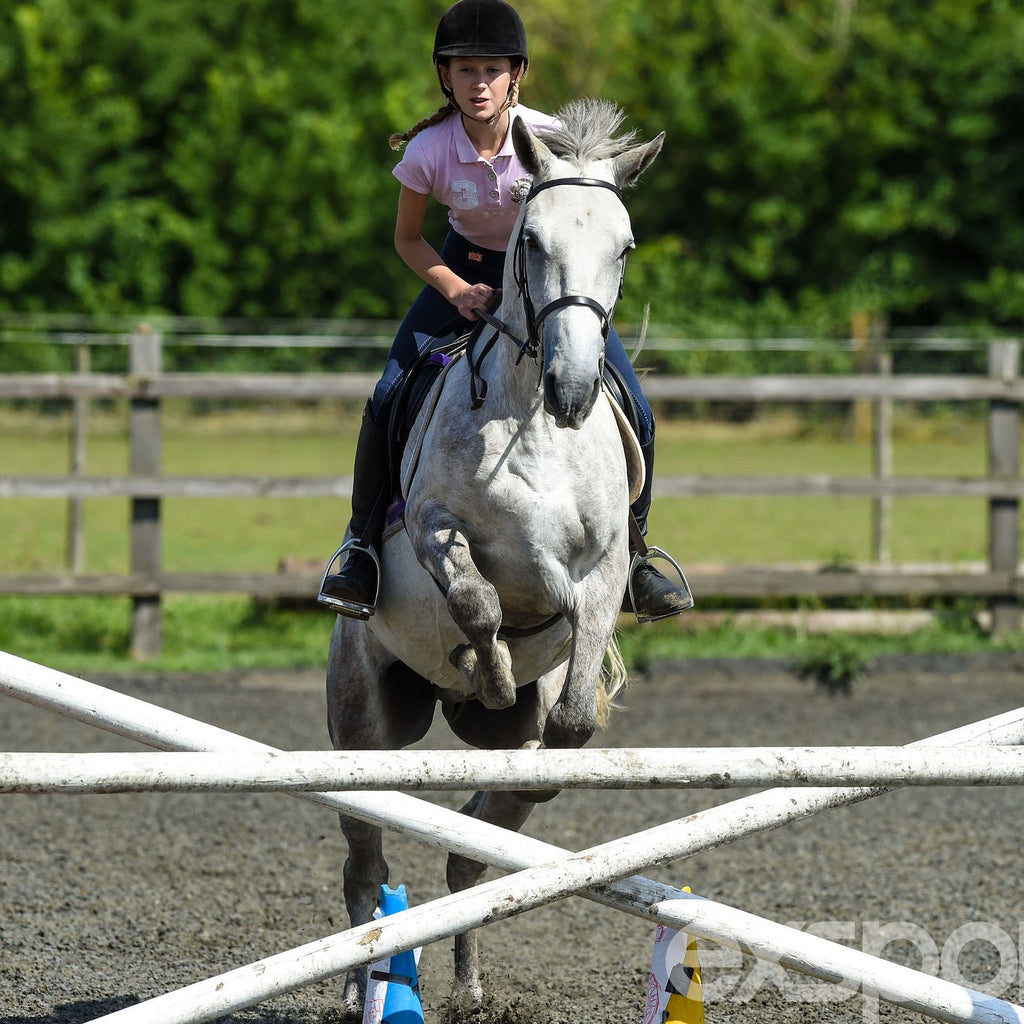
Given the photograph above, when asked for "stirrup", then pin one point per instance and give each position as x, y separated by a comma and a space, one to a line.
655, 552
351, 608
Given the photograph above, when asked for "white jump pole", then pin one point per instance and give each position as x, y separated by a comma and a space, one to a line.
617, 768
833, 962
440, 828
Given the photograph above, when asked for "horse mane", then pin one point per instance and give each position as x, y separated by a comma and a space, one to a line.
588, 130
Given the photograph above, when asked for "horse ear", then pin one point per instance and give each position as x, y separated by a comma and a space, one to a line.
532, 153
630, 165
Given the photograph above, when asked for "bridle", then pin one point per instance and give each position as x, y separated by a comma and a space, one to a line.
531, 346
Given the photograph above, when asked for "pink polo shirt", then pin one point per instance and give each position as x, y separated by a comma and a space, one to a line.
442, 160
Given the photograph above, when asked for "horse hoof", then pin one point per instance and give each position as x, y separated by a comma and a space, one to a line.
497, 688
534, 796
563, 731
351, 1009
465, 998
496, 698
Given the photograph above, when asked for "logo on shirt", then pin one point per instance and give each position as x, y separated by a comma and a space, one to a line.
463, 195
519, 192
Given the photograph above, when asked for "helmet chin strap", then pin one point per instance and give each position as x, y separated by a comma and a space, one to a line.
510, 101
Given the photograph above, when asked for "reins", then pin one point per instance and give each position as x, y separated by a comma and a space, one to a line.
531, 345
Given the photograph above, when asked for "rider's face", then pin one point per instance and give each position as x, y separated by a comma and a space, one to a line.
480, 84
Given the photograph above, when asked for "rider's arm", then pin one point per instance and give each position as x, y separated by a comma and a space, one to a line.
424, 260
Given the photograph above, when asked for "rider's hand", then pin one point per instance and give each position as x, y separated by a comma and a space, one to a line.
477, 296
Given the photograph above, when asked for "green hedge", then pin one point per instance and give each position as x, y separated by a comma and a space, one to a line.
231, 158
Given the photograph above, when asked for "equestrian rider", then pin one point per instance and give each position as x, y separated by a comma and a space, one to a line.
463, 154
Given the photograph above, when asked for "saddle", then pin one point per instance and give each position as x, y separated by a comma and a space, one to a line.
418, 384
420, 387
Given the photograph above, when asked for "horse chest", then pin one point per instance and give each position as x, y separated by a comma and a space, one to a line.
533, 497
521, 490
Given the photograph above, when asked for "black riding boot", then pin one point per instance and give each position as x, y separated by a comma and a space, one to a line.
654, 596
353, 589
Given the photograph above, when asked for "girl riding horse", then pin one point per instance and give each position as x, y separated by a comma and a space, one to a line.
463, 155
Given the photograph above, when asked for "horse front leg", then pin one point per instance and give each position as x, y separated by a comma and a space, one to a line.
573, 718
443, 550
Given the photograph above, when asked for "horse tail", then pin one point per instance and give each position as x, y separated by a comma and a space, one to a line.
614, 679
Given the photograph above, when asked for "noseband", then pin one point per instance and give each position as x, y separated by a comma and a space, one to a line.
531, 346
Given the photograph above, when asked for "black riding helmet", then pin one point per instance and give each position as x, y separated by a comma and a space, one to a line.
481, 28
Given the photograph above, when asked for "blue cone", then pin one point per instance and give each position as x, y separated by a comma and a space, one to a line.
402, 999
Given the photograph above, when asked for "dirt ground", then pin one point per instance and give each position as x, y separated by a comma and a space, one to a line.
106, 900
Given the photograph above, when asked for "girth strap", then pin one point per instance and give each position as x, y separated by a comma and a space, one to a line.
514, 633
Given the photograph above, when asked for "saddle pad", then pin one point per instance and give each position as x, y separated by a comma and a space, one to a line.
414, 444
636, 472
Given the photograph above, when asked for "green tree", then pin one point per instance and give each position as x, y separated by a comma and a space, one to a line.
825, 157
230, 159
202, 159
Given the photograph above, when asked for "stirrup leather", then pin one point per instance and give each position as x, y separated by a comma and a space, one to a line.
355, 608
651, 552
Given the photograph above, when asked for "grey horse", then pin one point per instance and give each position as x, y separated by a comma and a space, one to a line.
500, 594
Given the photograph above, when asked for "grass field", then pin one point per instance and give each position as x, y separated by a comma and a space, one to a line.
228, 535
231, 535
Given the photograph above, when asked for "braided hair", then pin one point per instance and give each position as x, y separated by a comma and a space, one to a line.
399, 139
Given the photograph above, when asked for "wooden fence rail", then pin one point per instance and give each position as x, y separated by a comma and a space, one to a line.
145, 387
667, 388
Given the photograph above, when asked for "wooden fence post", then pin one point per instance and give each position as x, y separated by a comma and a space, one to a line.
76, 506
146, 357
860, 344
881, 507
1004, 421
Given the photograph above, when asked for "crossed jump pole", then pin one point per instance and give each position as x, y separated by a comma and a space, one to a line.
543, 873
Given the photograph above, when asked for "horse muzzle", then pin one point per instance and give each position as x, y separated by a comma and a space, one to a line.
570, 402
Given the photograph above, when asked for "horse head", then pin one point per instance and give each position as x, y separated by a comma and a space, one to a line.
569, 251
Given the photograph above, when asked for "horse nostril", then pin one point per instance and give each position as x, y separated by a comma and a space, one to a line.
549, 392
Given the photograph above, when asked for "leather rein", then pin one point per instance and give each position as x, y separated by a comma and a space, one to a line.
531, 345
